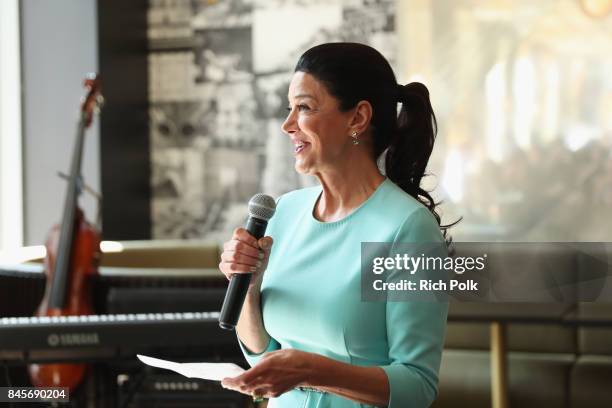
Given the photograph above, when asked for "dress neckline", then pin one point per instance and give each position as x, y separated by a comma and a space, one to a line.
352, 213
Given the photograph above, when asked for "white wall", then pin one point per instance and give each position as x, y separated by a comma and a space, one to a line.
59, 46
11, 205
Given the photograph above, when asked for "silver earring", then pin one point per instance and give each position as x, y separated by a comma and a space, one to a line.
354, 136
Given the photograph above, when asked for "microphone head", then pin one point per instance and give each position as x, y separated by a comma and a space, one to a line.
262, 206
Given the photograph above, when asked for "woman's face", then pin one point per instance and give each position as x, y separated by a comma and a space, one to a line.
319, 131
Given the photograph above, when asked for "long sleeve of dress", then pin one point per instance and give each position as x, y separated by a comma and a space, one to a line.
253, 358
415, 330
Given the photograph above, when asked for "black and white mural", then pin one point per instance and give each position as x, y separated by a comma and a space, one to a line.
218, 78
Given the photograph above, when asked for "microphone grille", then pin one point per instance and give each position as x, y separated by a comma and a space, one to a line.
262, 206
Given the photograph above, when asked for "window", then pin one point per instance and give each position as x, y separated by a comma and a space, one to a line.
11, 196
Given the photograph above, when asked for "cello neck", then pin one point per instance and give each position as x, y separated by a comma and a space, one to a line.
61, 273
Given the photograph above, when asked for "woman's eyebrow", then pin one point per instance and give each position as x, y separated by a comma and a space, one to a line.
304, 96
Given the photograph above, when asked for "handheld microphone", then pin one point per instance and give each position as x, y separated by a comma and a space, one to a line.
261, 209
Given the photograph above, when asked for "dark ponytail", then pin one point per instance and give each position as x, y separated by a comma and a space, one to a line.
354, 72
411, 146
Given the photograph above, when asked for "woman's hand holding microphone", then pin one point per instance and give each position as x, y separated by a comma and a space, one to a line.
245, 254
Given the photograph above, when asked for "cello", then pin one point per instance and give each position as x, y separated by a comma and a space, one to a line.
73, 253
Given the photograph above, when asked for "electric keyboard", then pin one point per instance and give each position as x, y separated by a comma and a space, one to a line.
87, 336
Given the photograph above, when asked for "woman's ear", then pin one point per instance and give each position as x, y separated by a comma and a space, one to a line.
361, 117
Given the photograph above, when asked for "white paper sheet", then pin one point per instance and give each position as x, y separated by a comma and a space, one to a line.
205, 371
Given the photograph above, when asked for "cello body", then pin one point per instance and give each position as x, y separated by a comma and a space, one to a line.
84, 260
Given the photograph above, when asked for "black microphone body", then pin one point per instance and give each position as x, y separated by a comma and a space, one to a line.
239, 282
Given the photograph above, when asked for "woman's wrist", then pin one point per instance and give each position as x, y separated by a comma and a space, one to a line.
311, 369
254, 293
325, 374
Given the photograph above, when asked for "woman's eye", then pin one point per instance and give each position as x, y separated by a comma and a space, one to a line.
300, 108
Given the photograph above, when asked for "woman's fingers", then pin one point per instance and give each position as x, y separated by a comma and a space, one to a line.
265, 244
243, 235
270, 378
230, 256
242, 247
245, 254
230, 268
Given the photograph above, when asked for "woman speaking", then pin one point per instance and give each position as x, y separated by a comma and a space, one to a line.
303, 328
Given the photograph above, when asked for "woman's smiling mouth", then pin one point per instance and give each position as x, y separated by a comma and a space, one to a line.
299, 146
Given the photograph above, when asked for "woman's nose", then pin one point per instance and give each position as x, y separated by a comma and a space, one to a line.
289, 126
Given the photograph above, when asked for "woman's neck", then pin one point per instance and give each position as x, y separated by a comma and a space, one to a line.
345, 190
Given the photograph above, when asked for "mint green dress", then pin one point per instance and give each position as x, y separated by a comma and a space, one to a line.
311, 296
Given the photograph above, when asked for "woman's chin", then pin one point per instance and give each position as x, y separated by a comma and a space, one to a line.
301, 167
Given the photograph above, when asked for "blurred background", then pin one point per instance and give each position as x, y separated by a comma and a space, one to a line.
195, 93
521, 90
